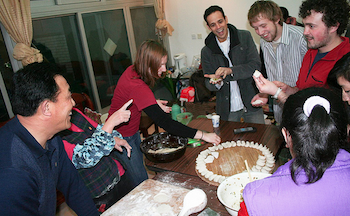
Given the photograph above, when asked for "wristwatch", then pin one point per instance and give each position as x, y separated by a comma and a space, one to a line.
277, 93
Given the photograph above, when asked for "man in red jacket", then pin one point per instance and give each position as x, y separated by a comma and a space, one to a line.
324, 22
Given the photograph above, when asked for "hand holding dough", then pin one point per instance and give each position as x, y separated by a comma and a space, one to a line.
257, 102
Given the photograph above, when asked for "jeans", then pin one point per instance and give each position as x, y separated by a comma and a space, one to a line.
133, 166
250, 117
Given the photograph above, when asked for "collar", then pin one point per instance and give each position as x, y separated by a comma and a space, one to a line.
334, 53
285, 36
227, 39
27, 139
211, 43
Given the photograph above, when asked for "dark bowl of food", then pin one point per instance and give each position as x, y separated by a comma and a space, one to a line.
163, 147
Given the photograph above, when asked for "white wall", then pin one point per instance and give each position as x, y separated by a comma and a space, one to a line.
186, 16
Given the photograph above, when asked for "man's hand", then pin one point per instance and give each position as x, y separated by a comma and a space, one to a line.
119, 143
265, 86
213, 78
219, 75
223, 72
288, 90
163, 105
259, 100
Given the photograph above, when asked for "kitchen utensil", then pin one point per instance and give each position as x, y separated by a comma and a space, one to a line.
246, 165
194, 201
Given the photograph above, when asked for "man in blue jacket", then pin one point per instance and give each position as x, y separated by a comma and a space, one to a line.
33, 162
230, 58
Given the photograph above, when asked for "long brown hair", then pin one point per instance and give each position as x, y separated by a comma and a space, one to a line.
149, 58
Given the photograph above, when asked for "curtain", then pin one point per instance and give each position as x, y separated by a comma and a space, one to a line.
163, 27
16, 17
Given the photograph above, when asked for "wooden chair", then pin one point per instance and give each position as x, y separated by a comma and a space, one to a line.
82, 100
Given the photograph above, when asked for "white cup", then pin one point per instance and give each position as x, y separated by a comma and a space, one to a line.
216, 120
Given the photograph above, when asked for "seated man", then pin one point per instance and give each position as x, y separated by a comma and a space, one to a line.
90, 147
33, 162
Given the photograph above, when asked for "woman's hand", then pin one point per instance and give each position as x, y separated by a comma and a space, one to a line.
118, 117
211, 138
163, 105
119, 143
208, 137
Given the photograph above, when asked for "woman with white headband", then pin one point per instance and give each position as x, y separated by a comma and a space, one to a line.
316, 180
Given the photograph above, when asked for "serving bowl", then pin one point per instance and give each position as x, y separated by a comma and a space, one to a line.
230, 190
163, 147
184, 118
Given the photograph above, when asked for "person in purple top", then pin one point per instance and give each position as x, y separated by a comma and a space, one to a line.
316, 180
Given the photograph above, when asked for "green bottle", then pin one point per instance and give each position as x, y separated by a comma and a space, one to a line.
175, 110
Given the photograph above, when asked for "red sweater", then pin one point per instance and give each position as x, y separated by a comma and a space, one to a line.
319, 72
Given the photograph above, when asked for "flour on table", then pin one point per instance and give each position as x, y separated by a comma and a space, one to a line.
161, 198
164, 208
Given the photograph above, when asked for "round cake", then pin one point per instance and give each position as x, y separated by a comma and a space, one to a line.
216, 163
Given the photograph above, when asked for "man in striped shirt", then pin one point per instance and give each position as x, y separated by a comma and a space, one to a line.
283, 47
324, 23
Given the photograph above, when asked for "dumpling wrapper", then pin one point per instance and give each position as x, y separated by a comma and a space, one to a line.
256, 73
215, 80
215, 154
256, 102
209, 159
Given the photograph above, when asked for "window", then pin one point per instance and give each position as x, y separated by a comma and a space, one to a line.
109, 49
6, 74
94, 48
58, 40
143, 21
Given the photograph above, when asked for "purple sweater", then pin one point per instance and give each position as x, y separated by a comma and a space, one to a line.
279, 195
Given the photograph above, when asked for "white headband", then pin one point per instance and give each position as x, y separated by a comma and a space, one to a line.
311, 102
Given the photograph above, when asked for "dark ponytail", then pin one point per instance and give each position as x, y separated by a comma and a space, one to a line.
318, 136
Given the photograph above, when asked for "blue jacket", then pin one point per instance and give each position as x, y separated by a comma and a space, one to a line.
245, 59
29, 175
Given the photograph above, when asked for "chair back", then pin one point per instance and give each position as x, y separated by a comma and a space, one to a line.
82, 100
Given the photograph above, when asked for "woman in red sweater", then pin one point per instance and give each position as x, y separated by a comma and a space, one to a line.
135, 83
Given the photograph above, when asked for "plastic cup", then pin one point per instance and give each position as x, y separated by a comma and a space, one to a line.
216, 120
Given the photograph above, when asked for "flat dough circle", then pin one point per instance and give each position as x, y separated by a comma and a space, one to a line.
161, 198
164, 208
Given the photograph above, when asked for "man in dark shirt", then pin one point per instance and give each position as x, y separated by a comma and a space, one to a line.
33, 162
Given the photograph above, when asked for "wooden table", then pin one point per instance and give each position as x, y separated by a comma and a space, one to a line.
183, 169
268, 135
